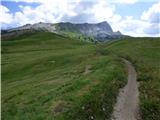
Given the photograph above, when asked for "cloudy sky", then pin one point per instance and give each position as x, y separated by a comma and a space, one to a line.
131, 17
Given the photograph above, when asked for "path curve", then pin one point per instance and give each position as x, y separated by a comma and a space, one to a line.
126, 107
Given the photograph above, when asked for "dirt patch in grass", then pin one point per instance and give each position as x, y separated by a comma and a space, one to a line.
87, 69
59, 107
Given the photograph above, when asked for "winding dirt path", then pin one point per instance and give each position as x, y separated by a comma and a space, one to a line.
126, 107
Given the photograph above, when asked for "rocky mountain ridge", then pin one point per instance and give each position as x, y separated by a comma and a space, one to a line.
101, 31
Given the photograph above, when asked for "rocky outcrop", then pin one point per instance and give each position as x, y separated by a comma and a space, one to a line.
100, 31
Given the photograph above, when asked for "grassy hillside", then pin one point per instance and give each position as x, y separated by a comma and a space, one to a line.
46, 76
144, 53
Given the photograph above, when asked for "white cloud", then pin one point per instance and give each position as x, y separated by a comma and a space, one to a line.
101, 10
28, 1
148, 25
131, 26
137, 28
125, 1
49, 12
152, 14
5, 16
45, 1
46, 12
153, 29
111, 1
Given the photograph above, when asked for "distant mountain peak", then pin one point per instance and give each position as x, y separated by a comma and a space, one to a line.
103, 22
100, 31
118, 32
27, 25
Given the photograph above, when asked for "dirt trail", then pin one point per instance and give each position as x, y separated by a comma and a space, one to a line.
126, 107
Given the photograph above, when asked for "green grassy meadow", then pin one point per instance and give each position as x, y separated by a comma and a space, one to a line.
46, 76
51, 77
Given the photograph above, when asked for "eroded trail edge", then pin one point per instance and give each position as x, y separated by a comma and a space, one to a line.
126, 107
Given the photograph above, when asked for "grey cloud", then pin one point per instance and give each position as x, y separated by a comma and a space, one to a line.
84, 5
81, 16
153, 29
155, 18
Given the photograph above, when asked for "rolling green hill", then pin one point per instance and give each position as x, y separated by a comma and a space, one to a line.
50, 77
46, 76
